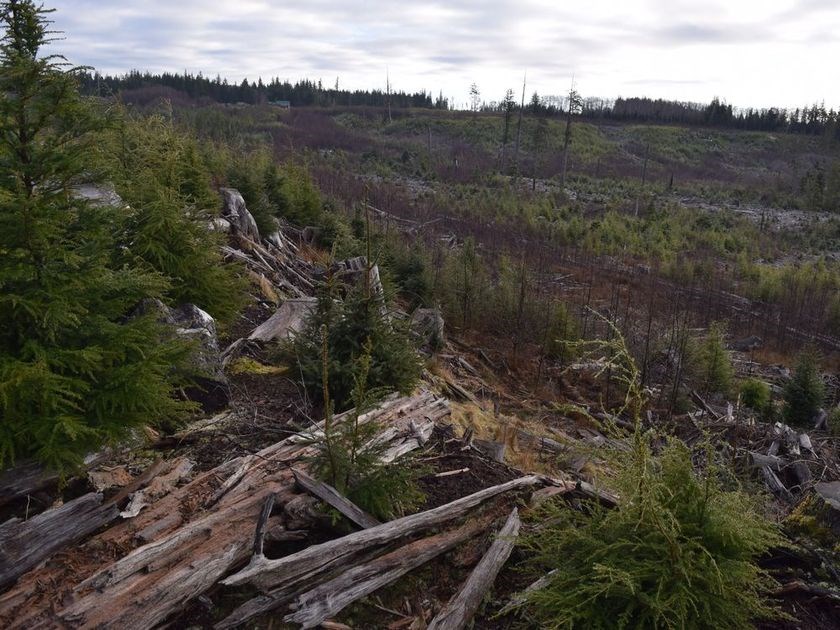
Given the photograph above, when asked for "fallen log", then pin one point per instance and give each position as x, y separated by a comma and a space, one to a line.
462, 608
181, 544
334, 499
521, 597
25, 544
30, 477
774, 462
775, 485
327, 599
267, 574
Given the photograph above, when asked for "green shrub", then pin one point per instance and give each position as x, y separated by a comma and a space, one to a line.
715, 363
679, 551
562, 329
157, 171
350, 459
755, 394
246, 173
296, 199
805, 391
349, 323
408, 267
834, 421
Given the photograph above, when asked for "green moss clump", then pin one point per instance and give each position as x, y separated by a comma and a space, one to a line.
247, 365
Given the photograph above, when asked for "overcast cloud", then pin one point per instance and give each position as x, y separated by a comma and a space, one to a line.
749, 52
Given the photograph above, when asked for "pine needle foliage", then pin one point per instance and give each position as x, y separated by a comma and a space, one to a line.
349, 324
159, 172
349, 455
715, 363
804, 393
75, 371
678, 552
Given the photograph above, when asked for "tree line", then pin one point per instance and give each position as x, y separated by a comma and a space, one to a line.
812, 119
303, 93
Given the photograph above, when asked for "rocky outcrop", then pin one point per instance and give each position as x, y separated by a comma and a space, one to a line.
236, 213
99, 195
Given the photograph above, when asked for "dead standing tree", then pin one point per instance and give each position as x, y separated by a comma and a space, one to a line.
519, 127
572, 107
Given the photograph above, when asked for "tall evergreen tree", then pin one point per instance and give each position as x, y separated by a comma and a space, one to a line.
75, 371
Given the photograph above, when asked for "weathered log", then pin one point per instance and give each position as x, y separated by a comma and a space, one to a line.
183, 556
262, 525
267, 574
333, 498
774, 462
329, 598
31, 477
697, 398
522, 596
25, 544
460, 610
775, 485
289, 320
494, 450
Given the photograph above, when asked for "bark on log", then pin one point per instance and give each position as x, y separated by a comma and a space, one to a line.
31, 477
333, 498
267, 574
25, 544
774, 462
183, 556
329, 598
462, 608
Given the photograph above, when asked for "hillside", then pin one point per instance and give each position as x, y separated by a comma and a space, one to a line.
403, 367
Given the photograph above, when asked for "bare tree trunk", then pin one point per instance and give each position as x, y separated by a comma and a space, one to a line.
519, 128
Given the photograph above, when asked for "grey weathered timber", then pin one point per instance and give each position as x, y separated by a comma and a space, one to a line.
329, 598
333, 498
25, 544
267, 574
460, 610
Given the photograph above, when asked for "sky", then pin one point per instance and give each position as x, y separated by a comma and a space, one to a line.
751, 53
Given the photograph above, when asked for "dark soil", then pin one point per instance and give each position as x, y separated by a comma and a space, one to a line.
446, 456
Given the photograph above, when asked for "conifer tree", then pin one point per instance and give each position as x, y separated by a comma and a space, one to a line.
161, 176
805, 392
75, 371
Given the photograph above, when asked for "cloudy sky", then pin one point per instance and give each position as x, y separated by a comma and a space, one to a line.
748, 52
